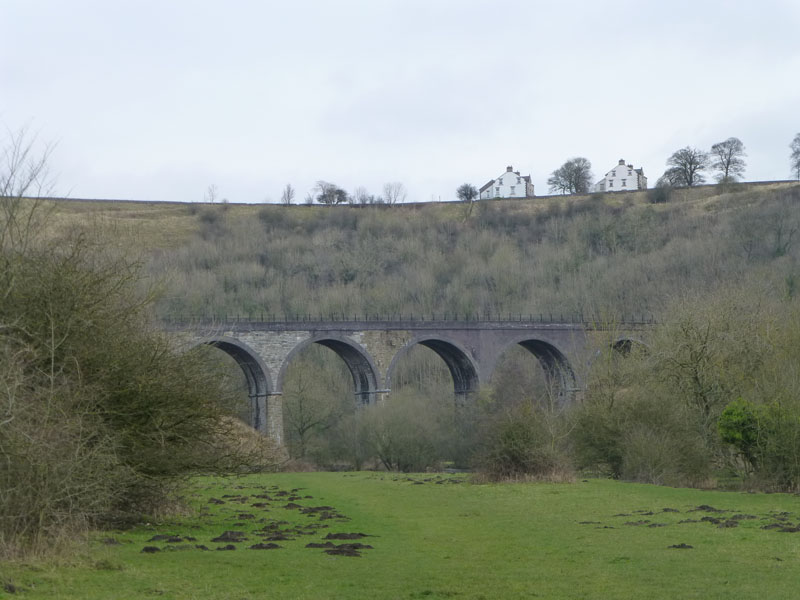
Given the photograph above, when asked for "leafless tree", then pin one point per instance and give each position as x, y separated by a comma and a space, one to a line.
466, 192
307, 408
728, 159
795, 156
24, 180
212, 193
685, 166
573, 177
362, 196
394, 192
24, 172
287, 195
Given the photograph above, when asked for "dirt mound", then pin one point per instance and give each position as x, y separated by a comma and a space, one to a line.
347, 549
707, 508
230, 536
264, 546
345, 536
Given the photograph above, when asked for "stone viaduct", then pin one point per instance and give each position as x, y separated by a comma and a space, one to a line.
371, 349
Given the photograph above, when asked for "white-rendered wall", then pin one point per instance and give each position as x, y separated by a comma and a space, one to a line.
505, 182
613, 179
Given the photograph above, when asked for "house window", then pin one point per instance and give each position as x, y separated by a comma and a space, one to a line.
497, 191
630, 172
513, 188
519, 179
614, 173
610, 184
624, 183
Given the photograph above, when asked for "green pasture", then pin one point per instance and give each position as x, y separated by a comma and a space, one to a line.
439, 536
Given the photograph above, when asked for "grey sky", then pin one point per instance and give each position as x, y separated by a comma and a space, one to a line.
158, 99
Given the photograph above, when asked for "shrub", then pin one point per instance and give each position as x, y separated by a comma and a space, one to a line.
100, 416
403, 432
519, 445
660, 194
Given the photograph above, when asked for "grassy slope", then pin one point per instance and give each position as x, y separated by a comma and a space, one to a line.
168, 224
465, 541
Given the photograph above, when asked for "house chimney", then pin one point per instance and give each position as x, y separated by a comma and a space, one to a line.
509, 169
622, 161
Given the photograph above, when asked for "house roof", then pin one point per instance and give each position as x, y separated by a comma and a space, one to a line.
488, 185
622, 164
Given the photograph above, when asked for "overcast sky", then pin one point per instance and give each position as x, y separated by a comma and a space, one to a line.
158, 99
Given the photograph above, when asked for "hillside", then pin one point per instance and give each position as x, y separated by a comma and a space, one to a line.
601, 255
711, 400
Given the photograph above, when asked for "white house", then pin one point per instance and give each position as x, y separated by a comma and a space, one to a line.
622, 178
508, 185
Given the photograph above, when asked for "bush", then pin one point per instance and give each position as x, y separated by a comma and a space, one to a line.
100, 417
767, 437
660, 194
403, 433
519, 445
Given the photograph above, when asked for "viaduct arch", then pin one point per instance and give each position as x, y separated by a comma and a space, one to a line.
462, 368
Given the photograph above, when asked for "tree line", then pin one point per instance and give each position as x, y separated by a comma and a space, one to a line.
686, 167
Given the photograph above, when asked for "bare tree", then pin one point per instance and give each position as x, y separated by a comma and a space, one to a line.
23, 172
329, 193
795, 156
362, 196
308, 408
685, 166
24, 179
466, 192
287, 195
212, 193
394, 192
728, 159
573, 177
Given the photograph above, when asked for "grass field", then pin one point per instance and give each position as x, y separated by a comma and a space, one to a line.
442, 537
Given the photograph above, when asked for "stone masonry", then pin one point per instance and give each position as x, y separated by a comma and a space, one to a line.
371, 349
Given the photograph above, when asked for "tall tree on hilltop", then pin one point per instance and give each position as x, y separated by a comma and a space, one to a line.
573, 177
728, 159
287, 195
466, 192
685, 166
394, 192
329, 193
